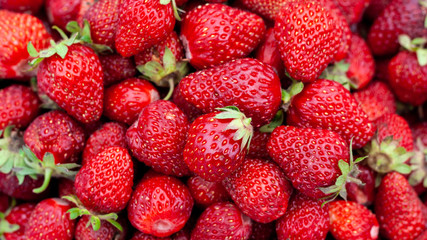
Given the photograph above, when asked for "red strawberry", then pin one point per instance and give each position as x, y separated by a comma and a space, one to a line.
228, 135
381, 70
398, 209
353, 9
10, 185
104, 183
246, 83
262, 231
268, 9
304, 219
307, 44
191, 111
362, 64
142, 24
375, 8
116, 68
258, 147
268, 52
351, 221
206, 193
376, 100
60, 12
260, 189
20, 105
18, 29
214, 34
325, 104
31, 6
56, 226
5, 202
124, 101
399, 17
221, 221
362, 193
66, 187
420, 131
393, 125
106, 232
19, 215
160, 205
108, 135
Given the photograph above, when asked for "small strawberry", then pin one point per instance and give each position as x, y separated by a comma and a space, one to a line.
398, 209
362, 193
362, 64
17, 217
32, 6
325, 104
351, 221
304, 219
124, 101
50, 220
221, 221
268, 53
116, 68
160, 205
106, 231
60, 12
246, 83
20, 105
206, 193
391, 124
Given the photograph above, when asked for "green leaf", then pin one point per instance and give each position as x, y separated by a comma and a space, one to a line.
169, 60
74, 213
425, 182
61, 50
63, 35
403, 168
340, 180
165, 2
422, 56
71, 198
344, 167
286, 96
277, 121
405, 41
32, 50
95, 222
73, 27
115, 224
359, 159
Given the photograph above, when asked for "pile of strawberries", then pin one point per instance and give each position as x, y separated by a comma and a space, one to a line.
208, 119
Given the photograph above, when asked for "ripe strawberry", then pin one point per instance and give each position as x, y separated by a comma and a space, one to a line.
20, 105
31, 6
246, 83
350, 220
375, 8
74, 82
106, 232
206, 193
262, 231
124, 101
191, 111
66, 187
353, 9
56, 226
422, 236
362, 64
307, 44
108, 135
10, 185
376, 100
258, 147
60, 12
18, 29
268, 53
391, 124
304, 219
398, 209
18, 215
221, 221
325, 104
266, 9
214, 34
104, 183
116, 68
399, 17
158, 21
419, 160
362, 193
160, 205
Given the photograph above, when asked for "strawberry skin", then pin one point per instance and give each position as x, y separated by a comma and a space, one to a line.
160, 205
391, 124
50, 220
214, 34
262, 231
60, 12
362, 194
31, 6
75, 83
309, 157
17, 30
353, 9
104, 183
362, 64
260, 189
258, 147
20, 105
304, 219
246, 83
398, 209
268, 52
221, 221
325, 104
10, 186
19, 215
206, 193
107, 231
142, 24
116, 68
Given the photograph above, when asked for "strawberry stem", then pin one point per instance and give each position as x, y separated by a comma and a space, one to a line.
47, 176
171, 89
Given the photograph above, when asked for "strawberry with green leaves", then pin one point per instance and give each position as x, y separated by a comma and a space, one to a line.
106, 232
61, 12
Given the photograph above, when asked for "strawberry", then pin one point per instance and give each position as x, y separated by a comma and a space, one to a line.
262, 231
31, 6
391, 124
423, 236
399, 17
381, 70
246, 83
214, 34
104, 183
20, 105
268, 9
362, 193
304, 219
108, 135
398, 208
325, 104
50, 220
353, 9
375, 8
260, 189
307, 44
10, 185
66, 187
362, 64
258, 147
106, 232
376, 100
124, 101
18, 29
158, 21
350, 220
228, 133
4, 202
419, 160
191, 111
268, 53
221, 221
60, 12
206, 193
116, 68
18, 216
419, 131
160, 205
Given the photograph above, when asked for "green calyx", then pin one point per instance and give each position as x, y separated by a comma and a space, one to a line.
277, 121
338, 73
419, 165
287, 95
84, 36
175, 8
240, 123
5, 226
415, 45
166, 75
95, 219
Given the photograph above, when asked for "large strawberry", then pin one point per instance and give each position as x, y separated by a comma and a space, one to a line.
246, 83
325, 104
206, 193
15, 221
214, 34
